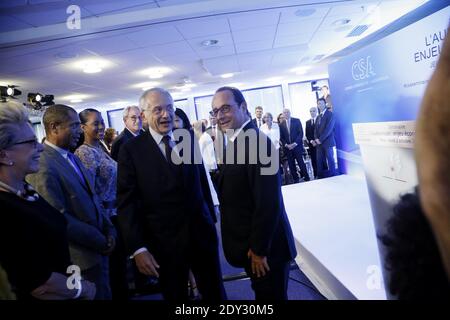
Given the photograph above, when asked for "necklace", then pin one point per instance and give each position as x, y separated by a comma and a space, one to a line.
29, 194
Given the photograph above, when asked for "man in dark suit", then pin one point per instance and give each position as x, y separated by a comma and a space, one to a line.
255, 229
133, 127
63, 181
324, 141
309, 133
291, 137
258, 120
165, 208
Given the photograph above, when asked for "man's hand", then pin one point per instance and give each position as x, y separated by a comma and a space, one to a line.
259, 264
146, 264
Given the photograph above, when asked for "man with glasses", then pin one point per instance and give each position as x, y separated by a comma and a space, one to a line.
255, 229
133, 125
165, 208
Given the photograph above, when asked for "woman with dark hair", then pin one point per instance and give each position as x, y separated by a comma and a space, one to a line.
101, 166
181, 120
34, 249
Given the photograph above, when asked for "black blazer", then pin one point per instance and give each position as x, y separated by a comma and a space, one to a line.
324, 130
252, 209
142, 173
295, 134
121, 139
255, 122
309, 130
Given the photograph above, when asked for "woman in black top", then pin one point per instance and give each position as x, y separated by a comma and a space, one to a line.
34, 249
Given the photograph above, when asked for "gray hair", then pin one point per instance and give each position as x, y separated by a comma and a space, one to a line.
126, 111
143, 98
12, 115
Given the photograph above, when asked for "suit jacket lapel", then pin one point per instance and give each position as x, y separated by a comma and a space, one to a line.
65, 164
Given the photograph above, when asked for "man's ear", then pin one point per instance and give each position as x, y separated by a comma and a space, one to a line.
54, 127
4, 157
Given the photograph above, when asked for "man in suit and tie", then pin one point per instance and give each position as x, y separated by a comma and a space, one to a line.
309, 133
165, 208
255, 229
324, 141
133, 127
291, 137
258, 120
63, 181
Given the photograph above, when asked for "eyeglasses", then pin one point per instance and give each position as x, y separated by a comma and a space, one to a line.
224, 109
34, 142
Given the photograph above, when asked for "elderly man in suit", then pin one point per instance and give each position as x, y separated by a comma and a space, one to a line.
132, 118
324, 141
255, 229
291, 137
63, 181
165, 208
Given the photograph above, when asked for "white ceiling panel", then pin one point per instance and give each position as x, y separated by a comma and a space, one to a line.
253, 46
285, 41
303, 26
108, 45
243, 21
255, 34
283, 59
155, 35
224, 39
173, 48
213, 52
218, 66
251, 61
203, 27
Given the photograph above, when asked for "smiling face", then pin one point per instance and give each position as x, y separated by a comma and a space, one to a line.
24, 152
67, 133
159, 112
229, 114
258, 112
94, 128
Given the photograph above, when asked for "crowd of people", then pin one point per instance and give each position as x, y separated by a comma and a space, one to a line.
75, 211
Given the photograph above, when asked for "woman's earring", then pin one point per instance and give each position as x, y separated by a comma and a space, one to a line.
11, 163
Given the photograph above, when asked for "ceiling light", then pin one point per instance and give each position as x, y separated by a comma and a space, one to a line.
341, 22
156, 72
9, 91
92, 65
227, 75
209, 43
146, 85
37, 100
76, 100
305, 12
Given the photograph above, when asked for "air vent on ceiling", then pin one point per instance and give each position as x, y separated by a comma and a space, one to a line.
358, 30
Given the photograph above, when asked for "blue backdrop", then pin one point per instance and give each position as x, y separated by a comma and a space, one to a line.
384, 81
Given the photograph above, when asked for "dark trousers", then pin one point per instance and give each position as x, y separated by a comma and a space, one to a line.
200, 254
118, 267
99, 274
325, 162
273, 286
313, 155
296, 154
